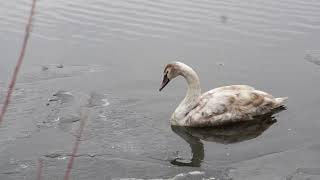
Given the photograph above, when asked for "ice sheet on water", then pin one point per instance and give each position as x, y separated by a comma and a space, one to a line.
192, 175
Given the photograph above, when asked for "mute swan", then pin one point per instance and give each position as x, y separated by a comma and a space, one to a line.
218, 106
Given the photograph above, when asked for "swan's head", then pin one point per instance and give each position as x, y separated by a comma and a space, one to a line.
171, 71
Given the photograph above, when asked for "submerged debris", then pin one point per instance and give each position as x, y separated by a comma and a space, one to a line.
223, 19
53, 155
44, 68
69, 119
62, 96
220, 64
59, 66
313, 56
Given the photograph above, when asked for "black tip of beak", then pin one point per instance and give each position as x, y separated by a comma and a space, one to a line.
161, 88
165, 81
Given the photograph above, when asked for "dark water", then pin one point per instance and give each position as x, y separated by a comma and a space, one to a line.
113, 53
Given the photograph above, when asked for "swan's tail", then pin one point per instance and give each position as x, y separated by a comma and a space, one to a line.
280, 101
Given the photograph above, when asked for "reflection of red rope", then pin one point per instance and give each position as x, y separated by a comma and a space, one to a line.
20, 60
40, 166
84, 117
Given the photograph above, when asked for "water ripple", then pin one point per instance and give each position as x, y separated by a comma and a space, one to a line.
193, 21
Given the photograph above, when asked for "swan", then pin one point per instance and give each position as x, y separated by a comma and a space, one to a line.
219, 106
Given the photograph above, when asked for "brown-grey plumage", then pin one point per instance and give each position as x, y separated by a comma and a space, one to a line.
218, 106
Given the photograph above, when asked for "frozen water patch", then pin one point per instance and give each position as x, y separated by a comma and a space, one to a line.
64, 107
56, 71
192, 175
97, 99
15, 167
305, 173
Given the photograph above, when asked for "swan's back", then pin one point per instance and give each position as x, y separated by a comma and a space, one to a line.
230, 104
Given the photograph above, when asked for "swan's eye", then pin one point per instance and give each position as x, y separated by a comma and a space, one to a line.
167, 71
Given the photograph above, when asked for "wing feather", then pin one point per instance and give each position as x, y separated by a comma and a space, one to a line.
228, 104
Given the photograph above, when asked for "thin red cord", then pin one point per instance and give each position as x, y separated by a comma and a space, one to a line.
19, 63
10, 91
40, 167
84, 117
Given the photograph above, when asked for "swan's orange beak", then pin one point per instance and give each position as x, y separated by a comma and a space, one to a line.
165, 81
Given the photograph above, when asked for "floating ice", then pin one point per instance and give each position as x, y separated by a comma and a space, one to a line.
181, 176
196, 172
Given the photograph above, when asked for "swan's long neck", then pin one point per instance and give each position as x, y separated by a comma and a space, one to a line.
193, 93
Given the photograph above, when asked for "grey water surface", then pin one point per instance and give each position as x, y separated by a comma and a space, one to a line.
107, 57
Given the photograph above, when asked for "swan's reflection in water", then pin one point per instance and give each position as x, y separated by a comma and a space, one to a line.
232, 133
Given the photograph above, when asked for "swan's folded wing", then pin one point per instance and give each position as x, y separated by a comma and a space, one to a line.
253, 102
228, 88
205, 113
228, 106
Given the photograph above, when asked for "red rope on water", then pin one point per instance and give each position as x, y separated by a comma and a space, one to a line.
19, 63
84, 117
40, 167
6, 103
